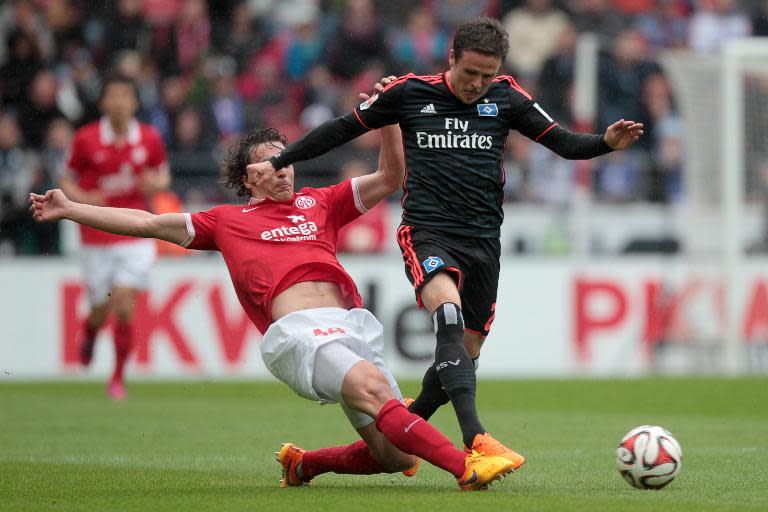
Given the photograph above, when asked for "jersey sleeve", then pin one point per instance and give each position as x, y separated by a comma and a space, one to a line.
527, 116
201, 230
384, 108
157, 156
344, 202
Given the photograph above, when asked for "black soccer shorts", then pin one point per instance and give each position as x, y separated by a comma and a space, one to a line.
473, 262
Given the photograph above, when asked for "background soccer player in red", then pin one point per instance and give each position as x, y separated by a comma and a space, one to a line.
455, 125
280, 250
116, 161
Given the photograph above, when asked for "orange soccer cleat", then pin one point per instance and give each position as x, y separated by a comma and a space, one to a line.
483, 470
486, 445
289, 457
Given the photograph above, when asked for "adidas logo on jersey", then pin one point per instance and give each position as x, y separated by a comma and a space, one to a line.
429, 109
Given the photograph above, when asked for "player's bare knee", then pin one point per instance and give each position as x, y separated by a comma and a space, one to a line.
378, 389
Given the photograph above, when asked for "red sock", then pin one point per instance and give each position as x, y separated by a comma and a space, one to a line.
89, 332
351, 459
123, 346
414, 435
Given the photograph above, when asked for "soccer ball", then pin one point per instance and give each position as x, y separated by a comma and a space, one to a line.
649, 457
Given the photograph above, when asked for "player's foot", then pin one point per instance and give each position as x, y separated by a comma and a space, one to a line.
486, 445
116, 390
482, 470
86, 352
289, 457
415, 468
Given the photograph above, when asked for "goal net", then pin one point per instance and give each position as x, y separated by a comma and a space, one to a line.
723, 100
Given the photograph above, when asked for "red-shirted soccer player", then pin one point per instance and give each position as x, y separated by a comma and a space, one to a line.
280, 250
116, 162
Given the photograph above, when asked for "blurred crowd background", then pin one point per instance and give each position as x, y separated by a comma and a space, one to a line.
208, 71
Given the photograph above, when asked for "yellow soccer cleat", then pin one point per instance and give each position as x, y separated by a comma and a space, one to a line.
486, 445
289, 457
482, 470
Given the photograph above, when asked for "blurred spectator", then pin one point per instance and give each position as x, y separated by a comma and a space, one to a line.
190, 153
715, 22
63, 17
242, 37
227, 106
516, 167
551, 178
24, 16
665, 132
420, 47
760, 21
617, 177
192, 33
305, 48
368, 233
18, 174
555, 81
664, 26
633, 7
125, 29
359, 40
39, 108
452, 13
24, 61
620, 78
534, 30
598, 17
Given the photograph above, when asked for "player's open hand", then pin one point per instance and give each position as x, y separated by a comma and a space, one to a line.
622, 134
49, 207
377, 87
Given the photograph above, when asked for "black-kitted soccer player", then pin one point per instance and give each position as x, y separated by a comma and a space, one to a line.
454, 127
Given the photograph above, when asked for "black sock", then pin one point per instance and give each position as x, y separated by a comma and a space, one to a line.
456, 370
431, 397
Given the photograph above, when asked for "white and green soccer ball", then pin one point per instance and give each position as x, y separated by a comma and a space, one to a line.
649, 457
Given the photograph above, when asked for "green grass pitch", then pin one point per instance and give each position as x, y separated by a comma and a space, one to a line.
209, 446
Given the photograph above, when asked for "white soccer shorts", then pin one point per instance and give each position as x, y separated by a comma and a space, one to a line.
290, 352
125, 264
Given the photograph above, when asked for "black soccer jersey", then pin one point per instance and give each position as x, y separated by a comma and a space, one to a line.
453, 151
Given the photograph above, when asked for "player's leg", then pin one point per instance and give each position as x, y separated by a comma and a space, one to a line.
372, 455
135, 261
97, 271
367, 390
123, 303
478, 297
453, 365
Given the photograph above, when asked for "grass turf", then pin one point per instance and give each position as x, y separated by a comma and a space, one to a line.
209, 446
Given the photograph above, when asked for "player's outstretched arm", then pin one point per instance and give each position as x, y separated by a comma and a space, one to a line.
55, 205
389, 176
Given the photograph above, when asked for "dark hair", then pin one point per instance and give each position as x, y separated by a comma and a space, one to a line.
240, 153
118, 78
482, 35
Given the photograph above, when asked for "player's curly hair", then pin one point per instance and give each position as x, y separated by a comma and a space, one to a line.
240, 155
482, 35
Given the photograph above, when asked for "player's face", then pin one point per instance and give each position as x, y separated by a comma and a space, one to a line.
278, 185
472, 74
119, 102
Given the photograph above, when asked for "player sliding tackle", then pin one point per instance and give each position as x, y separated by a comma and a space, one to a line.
280, 250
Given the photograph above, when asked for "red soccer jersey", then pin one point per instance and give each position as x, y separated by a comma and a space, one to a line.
269, 246
96, 163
